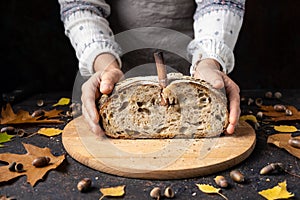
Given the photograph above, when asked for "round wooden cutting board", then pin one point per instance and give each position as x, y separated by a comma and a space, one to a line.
157, 158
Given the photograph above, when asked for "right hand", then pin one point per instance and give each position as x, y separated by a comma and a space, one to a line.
107, 73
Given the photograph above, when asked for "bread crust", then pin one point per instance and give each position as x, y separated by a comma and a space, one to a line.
134, 109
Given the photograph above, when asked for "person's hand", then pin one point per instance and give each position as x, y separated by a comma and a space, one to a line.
209, 70
107, 73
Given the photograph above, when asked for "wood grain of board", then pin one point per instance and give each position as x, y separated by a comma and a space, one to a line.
157, 158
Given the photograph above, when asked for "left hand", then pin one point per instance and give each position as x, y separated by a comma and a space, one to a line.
209, 70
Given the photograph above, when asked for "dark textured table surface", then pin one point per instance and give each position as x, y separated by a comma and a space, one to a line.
61, 183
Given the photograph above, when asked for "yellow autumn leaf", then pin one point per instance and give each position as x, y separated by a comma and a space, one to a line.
251, 118
277, 192
117, 191
49, 131
62, 102
285, 129
210, 189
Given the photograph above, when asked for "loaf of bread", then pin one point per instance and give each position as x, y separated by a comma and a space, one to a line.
187, 108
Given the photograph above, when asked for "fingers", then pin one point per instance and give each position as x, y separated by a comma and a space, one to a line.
95, 128
233, 95
109, 79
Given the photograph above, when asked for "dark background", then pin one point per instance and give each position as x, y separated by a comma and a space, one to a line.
34, 48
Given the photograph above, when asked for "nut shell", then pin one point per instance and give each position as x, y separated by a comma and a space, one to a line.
237, 176
84, 185
169, 193
155, 193
41, 161
221, 181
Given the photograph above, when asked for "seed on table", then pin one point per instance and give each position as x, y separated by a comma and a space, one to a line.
259, 115
294, 142
41, 161
237, 176
271, 168
269, 94
169, 193
8, 130
277, 95
155, 193
38, 113
84, 185
288, 112
279, 108
40, 102
259, 102
221, 181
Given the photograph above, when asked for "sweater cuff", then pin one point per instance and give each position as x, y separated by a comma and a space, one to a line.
211, 48
86, 62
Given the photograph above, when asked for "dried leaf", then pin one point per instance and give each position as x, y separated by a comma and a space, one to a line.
277, 192
62, 102
281, 141
280, 116
251, 118
4, 137
33, 173
210, 189
49, 131
285, 129
23, 117
112, 191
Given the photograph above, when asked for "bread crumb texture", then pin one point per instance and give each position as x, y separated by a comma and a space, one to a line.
187, 108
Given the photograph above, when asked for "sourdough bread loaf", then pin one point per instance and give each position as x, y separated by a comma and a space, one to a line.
187, 108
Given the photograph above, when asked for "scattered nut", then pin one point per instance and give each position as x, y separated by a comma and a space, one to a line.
294, 142
21, 133
288, 112
258, 102
40, 102
169, 193
84, 185
271, 168
19, 167
259, 115
279, 108
277, 95
269, 94
38, 113
41, 161
155, 193
250, 101
221, 181
8, 130
11, 167
237, 176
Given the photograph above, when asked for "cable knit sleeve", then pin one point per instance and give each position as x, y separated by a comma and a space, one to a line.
88, 30
216, 28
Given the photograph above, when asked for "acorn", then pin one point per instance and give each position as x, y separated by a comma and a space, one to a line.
221, 181
84, 185
288, 112
258, 102
8, 130
269, 94
155, 193
38, 113
40, 102
237, 176
294, 142
169, 193
279, 108
41, 161
277, 95
19, 167
11, 167
271, 168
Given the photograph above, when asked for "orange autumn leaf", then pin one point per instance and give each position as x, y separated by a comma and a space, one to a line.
33, 173
280, 116
281, 140
23, 117
277, 192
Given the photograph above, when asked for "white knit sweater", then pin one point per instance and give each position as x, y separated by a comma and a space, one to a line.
216, 27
